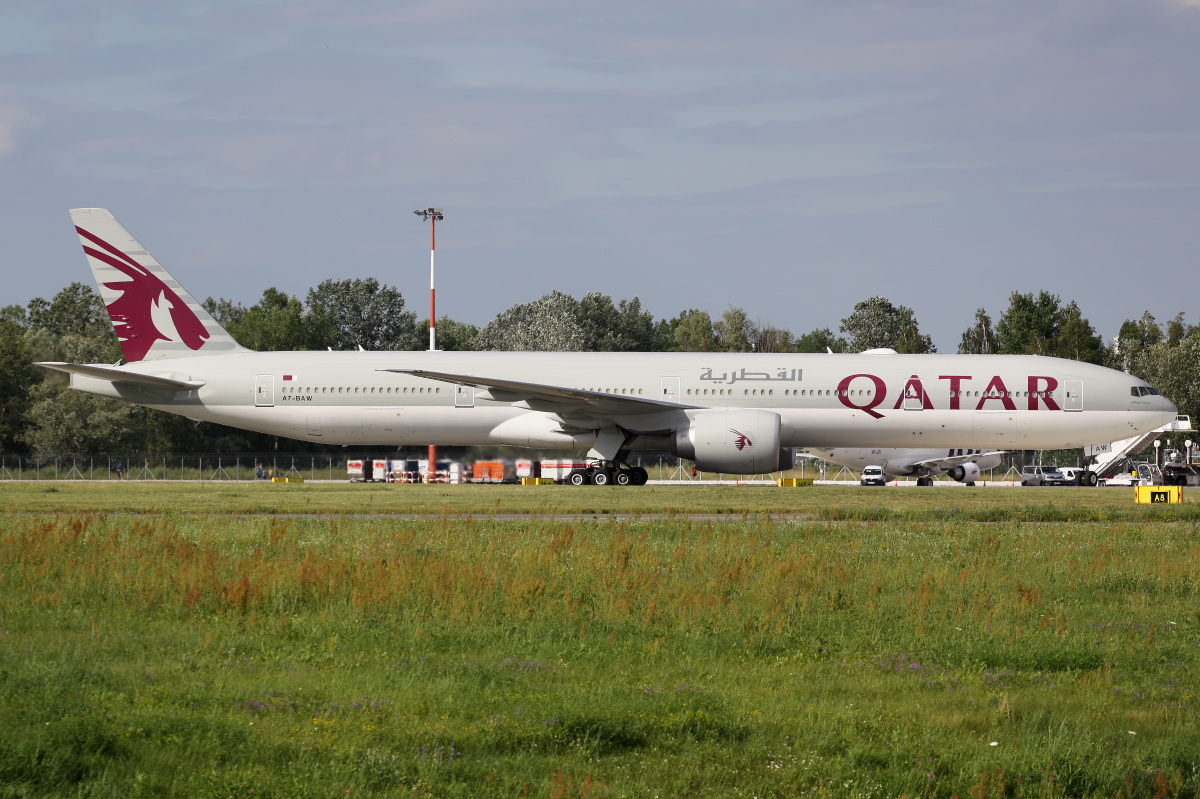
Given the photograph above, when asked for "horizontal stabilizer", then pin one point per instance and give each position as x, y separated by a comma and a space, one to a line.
116, 375
565, 398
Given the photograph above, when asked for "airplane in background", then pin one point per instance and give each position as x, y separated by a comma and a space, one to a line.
737, 413
963, 465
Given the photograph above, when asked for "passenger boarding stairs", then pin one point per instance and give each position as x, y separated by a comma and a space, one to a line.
1108, 456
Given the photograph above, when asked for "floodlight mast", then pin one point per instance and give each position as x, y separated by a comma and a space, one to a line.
433, 215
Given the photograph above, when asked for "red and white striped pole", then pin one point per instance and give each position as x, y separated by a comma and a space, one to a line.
433, 215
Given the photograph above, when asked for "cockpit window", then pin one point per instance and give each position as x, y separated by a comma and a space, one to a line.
1143, 391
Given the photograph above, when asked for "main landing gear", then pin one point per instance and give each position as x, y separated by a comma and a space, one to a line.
602, 474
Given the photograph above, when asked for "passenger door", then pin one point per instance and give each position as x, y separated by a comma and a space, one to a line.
264, 391
1073, 396
670, 389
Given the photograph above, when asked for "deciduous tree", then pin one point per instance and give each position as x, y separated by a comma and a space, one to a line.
360, 312
452, 335
877, 323
1030, 325
16, 377
692, 331
621, 327
768, 338
821, 340
979, 338
1077, 339
733, 331
548, 324
277, 322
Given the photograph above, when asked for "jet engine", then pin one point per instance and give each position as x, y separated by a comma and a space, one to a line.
965, 473
733, 441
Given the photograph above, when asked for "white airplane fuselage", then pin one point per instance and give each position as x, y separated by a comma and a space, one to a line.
993, 401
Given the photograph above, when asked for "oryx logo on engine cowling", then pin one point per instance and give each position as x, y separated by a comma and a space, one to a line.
146, 305
742, 441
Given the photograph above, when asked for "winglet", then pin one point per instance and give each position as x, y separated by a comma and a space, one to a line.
152, 314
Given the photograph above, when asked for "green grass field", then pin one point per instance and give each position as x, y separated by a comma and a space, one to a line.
821, 502
942, 642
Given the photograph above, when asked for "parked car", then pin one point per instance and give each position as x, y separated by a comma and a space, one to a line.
1073, 473
1043, 476
873, 476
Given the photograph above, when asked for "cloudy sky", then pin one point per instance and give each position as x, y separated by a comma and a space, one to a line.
787, 157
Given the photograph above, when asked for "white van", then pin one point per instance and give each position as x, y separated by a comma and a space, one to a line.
873, 476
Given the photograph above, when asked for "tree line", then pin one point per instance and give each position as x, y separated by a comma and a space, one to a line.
39, 414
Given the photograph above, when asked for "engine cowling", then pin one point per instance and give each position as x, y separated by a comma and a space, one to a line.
965, 473
733, 441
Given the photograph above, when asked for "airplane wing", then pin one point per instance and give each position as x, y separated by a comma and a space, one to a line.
117, 375
551, 398
937, 465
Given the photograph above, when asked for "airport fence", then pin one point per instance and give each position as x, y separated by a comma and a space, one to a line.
263, 466
319, 466
224, 467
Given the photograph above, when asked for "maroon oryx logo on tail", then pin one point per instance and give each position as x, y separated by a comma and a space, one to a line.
143, 297
742, 441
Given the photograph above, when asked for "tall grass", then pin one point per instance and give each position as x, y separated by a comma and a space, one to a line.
442, 657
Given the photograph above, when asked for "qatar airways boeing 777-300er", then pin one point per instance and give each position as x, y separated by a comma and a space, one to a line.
738, 413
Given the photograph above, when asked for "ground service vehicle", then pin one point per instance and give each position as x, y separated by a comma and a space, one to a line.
873, 476
1078, 476
1177, 471
493, 472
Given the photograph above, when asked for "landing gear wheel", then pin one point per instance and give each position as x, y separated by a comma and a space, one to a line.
1090, 479
602, 477
623, 477
578, 477
640, 476
924, 481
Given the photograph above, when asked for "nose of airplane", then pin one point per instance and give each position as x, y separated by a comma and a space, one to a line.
1169, 411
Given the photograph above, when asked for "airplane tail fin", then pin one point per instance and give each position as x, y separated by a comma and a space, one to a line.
152, 314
